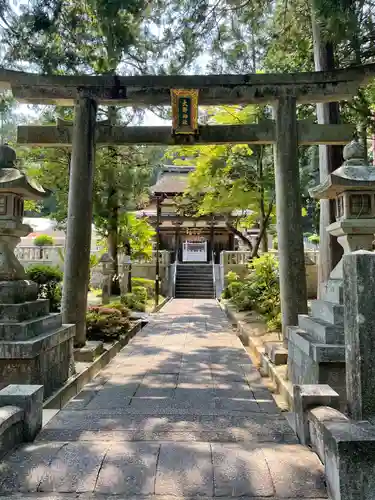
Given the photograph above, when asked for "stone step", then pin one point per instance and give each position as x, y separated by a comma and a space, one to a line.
29, 329
24, 311
328, 311
276, 353
194, 289
321, 330
195, 285
321, 353
194, 275
196, 295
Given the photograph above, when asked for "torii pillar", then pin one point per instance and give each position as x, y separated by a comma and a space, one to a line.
293, 294
78, 237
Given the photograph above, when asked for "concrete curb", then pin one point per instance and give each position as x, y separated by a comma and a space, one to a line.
284, 387
76, 383
160, 306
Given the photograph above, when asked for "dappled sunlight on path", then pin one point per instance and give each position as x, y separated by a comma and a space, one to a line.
180, 411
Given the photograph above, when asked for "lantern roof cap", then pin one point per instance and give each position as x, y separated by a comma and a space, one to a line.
106, 258
353, 175
14, 180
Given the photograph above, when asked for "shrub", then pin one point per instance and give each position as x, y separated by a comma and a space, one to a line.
131, 300
49, 280
148, 284
260, 290
43, 240
107, 322
232, 277
141, 293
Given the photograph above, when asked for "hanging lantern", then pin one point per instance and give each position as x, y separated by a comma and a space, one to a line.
184, 111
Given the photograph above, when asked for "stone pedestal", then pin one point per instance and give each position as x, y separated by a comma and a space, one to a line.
35, 347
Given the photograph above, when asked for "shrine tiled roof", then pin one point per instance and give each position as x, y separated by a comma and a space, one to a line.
173, 180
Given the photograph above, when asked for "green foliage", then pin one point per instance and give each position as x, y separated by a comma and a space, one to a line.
314, 238
236, 177
140, 293
107, 322
133, 302
259, 291
136, 232
146, 283
49, 279
43, 240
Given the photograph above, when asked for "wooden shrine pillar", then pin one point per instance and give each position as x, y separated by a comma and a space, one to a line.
177, 239
212, 242
288, 212
78, 237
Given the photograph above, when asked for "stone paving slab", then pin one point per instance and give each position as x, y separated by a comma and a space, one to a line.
129, 468
180, 412
185, 469
239, 471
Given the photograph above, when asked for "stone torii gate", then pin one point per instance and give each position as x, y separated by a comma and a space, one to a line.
283, 91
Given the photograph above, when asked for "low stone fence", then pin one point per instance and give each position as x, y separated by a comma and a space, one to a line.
21, 410
345, 447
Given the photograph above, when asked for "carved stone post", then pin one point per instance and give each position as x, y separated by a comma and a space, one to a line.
108, 270
359, 324
288, 211
78, 238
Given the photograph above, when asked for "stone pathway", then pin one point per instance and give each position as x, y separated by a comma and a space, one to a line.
180, 412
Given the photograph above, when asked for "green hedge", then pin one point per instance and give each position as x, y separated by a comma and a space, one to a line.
49, 279
148, 284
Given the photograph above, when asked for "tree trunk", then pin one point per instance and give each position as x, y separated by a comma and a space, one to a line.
262, 211
330, 157
239, 234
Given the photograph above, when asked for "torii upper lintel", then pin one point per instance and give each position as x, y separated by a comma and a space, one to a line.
149, 90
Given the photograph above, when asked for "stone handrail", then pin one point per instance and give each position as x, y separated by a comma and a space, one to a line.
243, 257
164, 258
21, 411
344, 446
239, 257
34, 253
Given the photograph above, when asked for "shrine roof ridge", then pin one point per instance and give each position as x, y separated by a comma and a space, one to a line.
214, 89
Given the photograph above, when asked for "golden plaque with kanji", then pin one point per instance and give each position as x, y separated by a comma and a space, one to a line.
184, 111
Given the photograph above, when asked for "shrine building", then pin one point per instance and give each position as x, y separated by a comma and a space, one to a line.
189, 238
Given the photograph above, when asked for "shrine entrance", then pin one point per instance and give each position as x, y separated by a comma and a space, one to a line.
194, 251
185, 92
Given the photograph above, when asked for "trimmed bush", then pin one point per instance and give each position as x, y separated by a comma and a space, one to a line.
148, 284
107, 322
141, 293
49, 279
132, 301
43, 240
259, 291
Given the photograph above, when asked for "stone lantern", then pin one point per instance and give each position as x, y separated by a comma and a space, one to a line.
108, 269
316, 345
15, 187
35, 347
352, 186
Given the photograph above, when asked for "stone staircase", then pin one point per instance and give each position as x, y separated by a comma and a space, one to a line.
194, 281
